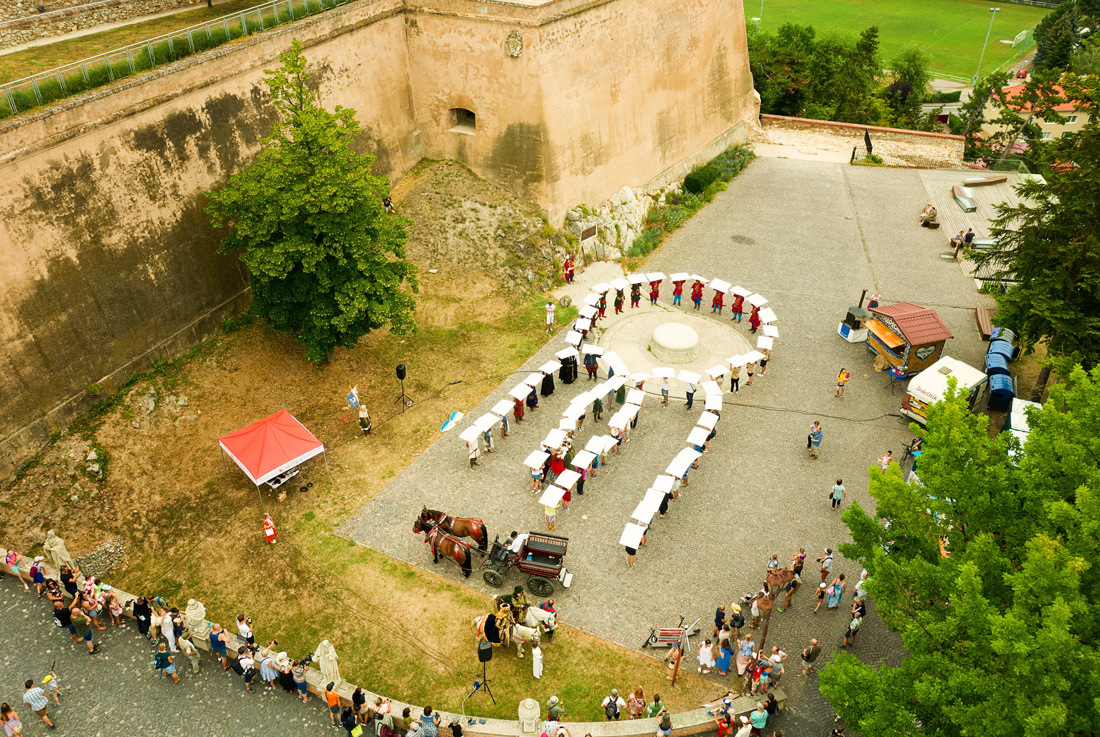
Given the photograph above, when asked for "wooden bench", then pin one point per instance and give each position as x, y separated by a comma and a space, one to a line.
985, 322
984, 181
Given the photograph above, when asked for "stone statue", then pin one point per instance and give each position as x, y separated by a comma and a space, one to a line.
194, 617
529, 713
56, 551
326, 658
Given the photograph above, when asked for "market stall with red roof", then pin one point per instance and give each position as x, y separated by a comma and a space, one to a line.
270, 450
906, 337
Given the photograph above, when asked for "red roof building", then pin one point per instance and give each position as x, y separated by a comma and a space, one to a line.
908, 336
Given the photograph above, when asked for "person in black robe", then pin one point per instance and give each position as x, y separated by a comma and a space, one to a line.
547, 385
568, 371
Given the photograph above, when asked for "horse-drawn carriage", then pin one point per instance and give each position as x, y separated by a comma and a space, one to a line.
541, 556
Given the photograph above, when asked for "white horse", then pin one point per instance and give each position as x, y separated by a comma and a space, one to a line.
542, 620
519, 633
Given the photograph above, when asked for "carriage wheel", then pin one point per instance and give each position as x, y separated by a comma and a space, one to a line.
493, 578
540, 586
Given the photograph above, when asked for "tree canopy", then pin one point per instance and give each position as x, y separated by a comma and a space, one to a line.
1000, 628
327, 263
837, 77
1050, 241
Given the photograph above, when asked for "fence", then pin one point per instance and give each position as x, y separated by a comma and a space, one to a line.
102, 69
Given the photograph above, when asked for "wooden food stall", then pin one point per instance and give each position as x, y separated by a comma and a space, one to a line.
906, 337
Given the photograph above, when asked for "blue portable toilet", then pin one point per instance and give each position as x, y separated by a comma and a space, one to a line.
1002, 389
996, 364
1001, 348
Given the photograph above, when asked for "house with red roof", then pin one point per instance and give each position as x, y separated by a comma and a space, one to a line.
907, 336
1075, 116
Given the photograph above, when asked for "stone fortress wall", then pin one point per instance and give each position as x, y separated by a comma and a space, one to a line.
107, 259
22, 22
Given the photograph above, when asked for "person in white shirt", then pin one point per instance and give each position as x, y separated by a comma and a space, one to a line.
613, 705
550, 317
515, 543
884, 462
746, 728
777, 657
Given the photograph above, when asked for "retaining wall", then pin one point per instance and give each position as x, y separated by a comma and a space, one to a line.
684, 724
21, 22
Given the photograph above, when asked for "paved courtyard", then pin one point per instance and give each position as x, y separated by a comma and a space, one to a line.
117, 692
809, 236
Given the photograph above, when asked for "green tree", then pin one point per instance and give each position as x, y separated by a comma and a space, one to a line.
1055, 36
306, 217
1049, 243
907, 86
780, 67
1001, 633
1086, 59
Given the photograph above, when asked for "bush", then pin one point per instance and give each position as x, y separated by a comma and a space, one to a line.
699, 179
955, 124
938, 97
731, 161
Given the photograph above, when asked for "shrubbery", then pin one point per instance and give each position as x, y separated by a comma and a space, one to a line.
709, 180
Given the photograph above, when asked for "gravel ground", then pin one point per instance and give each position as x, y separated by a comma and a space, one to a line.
809, 236
117, 692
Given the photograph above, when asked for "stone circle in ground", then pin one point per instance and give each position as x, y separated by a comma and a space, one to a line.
674, 342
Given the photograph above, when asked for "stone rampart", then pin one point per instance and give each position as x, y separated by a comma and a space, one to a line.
21, 22
108, 257
918, 148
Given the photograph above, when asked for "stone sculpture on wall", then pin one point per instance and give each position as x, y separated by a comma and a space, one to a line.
56, 552
327, 661
194, 617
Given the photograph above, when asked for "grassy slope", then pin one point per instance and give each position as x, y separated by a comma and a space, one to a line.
950, 31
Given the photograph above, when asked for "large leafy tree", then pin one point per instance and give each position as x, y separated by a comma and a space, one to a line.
905, 91
306, 217
1000, 625
1049, 242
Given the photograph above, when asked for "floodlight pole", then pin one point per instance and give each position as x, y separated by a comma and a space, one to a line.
760, 18
981, 58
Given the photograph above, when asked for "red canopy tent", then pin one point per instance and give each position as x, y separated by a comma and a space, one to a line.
270, 446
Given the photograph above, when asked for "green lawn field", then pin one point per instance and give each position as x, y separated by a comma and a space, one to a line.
950, 31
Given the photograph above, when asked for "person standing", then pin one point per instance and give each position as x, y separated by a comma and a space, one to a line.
664, 391
826, 562
738, 307
750, 369
83, 625
591, 365
656, 707
10, 720
706, 656
654, 292
838, 494
835, 592
14, 561
788, 591
620, 299
163, 661
777, 657
36, 699
842, 380
809, 657
636, 704
764, 361
536, 659
718, 302
819, 595
550, 317
873, 302
635, 295
690, 394
813, 440
754, 320
759, 719
613, 705
533, 399
569, 270
143, 614
884, 461
697, 294
219, 639
187, 645
677, 292
746, 728
554, 709
853, 627
861, 585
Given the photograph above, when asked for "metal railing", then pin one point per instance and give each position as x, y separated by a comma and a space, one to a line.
102, 69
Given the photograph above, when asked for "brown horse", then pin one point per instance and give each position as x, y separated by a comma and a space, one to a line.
470, 527
446, 545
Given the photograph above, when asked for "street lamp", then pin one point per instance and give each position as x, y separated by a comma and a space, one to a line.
978, 72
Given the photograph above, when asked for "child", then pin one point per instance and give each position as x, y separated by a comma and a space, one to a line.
114, 607
819, 595
53, 687
37, 576
163, 661
536, 659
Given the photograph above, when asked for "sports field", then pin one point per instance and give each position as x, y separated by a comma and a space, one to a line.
950, 31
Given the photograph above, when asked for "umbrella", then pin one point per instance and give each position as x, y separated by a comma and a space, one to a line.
456, 416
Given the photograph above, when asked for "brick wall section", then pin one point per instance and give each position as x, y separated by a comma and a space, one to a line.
22, 23
897, 146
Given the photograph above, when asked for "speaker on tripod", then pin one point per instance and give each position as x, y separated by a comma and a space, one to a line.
484, 654
404, 399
